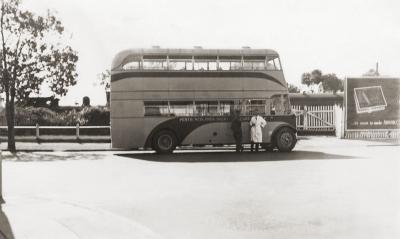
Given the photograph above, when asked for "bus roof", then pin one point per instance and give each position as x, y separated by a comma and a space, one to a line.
127, 55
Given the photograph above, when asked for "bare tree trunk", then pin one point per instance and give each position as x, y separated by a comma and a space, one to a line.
10, 114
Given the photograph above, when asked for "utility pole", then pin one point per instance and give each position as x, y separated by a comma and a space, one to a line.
1, 163
377, 69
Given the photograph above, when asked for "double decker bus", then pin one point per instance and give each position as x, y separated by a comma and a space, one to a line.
165, 98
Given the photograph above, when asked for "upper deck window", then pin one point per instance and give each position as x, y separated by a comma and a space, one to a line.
273, 63
180, 63
203, 63
133, 65
154, 62
254, 65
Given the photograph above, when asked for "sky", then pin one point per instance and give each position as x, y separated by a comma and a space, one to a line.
345, 37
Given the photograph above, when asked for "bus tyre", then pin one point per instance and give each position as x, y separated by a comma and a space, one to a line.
285, 139
164, 142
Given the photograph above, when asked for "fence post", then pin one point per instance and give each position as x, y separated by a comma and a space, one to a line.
77, 131
339, 124
305, 119
37, 132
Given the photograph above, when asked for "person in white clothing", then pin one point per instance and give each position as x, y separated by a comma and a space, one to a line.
257, 122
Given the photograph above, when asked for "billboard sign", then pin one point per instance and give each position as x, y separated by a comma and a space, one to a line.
372, 103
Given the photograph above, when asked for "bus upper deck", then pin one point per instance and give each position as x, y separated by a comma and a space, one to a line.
197, 59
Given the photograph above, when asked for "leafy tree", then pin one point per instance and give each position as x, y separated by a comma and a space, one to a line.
306, 79
371, 72
105, 78
316, 76
31, 55
330, 82
293, 89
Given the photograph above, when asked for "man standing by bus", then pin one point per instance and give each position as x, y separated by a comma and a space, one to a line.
256, 123
236, 127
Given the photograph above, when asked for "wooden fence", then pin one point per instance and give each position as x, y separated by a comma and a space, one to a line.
315, 118
76, 128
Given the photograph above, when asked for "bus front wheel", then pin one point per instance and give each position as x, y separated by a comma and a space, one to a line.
285, 139
164, 142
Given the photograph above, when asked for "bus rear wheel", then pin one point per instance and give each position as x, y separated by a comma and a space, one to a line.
164, 142
285, 139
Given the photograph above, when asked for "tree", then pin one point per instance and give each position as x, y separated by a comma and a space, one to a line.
293, 89
330, 82
306, 79
105, 78
31, 55
371, 72
316, 76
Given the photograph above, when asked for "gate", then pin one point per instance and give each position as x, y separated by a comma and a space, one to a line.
315, 118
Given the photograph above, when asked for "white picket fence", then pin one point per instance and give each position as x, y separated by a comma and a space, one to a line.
315, 118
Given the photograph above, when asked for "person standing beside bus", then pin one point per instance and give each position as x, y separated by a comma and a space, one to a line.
256, 123
236, 127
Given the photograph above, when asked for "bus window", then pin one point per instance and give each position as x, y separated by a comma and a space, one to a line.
156, 108
224, 66
133, 65
258, 105
280, 105
249, 106
259, 65
154, 64
177, 65
181, 108
247, 65
180, 63
226, 107
254, 65
200, 66
236, 65
206, 108
270, 64
212, 65
277, 63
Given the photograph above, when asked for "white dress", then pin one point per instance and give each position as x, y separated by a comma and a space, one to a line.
257, 123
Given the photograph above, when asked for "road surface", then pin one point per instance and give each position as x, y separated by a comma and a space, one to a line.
325, 188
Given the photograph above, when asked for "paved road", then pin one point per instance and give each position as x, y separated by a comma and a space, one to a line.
326, 188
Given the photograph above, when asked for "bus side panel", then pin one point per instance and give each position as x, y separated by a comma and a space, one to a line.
221, 133
212, 133
126, 123
259, 84
127, 84
127, 133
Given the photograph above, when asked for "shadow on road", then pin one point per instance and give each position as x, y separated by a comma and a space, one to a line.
207, 157
5, 228
47, 157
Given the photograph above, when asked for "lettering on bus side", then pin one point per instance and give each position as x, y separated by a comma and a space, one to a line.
210, 119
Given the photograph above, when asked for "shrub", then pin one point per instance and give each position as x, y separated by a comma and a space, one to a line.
95, 116
30, 116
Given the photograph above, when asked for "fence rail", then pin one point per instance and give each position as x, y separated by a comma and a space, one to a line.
77, 128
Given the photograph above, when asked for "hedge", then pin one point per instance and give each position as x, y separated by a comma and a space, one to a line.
31, 116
